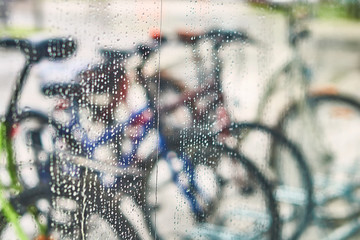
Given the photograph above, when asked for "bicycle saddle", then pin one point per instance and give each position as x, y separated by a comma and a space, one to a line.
228, 36
120, 55
52, 49
110, 54
190, 37
61, 89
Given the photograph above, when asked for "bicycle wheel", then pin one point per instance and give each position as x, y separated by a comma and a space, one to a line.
31, 142
295, 194
96, 211
221, 196
21, 203
175, 115
87, 211
72, 189
326, 127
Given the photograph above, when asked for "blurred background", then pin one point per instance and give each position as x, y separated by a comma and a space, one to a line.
331, 49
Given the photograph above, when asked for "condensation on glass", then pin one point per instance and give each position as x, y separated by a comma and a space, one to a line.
173, 119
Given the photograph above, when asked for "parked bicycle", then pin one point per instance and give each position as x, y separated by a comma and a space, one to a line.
318, 120
74, 183
208, 112
50, 190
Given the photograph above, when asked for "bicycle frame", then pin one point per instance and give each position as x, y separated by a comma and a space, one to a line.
141, 119
296, 63
145, 121
51, 49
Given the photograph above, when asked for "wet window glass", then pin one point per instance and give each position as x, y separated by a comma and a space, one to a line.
173, 119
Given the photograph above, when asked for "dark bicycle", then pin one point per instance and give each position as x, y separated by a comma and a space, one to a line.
207, 107
23, 132
75, 183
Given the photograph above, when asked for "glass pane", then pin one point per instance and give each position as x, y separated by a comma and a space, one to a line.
170, 119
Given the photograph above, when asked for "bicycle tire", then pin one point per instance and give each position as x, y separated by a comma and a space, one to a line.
95, 200
38, 132
212, 221
314, 102
265, 139
30, 157
73, 223
328, 136
57, 177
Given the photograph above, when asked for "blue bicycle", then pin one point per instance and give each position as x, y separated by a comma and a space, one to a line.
207, 169
35, 185
73, 181
130, 171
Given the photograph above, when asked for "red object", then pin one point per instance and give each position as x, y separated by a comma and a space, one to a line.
223, 119
62, 104
43, 237
155, 34
143, 118
14, 130
188, 36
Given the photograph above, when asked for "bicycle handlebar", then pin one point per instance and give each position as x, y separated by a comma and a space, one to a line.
217, 35
62, 89
11, 43
144, 50
57, 48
